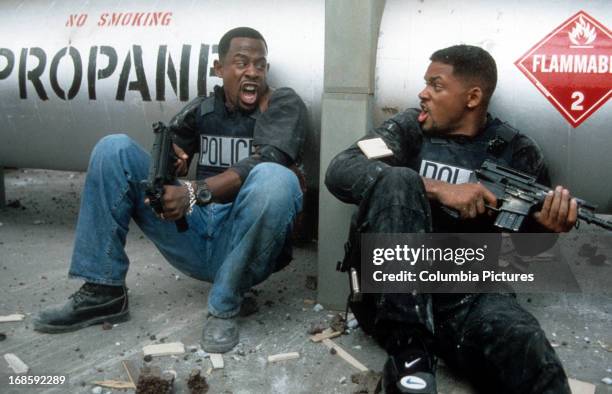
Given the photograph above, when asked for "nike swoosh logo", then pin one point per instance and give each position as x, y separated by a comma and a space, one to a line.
410, 364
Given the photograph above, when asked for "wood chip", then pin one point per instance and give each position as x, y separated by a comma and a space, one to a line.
114, 384
10, 318
578, 387
326, 334
283, 356
345, 355
164, 349
605, 346
217, 360
16, 364
131, 371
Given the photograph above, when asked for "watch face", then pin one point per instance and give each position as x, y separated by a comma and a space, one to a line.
204, 196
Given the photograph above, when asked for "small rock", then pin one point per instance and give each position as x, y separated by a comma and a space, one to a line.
343, 380
107, 326
117, 343
587, 340
42, 222
352, 324
332, 351
607, 380
97, 390
318, 308
2, 336
148, 358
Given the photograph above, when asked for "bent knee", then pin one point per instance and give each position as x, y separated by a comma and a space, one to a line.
113, 143
275, 183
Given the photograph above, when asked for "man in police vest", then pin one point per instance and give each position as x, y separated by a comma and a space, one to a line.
489, 337
240, 209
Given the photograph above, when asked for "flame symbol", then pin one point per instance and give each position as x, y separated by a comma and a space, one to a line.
582, 34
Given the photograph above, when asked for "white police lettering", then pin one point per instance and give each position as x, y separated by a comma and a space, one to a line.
444, 172
217, 151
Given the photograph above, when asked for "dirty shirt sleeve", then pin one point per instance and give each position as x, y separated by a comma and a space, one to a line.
351, 174
279, 133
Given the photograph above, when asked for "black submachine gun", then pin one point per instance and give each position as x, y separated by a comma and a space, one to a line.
162, 171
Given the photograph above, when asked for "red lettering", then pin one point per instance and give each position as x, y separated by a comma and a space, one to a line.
102, 20
76, 20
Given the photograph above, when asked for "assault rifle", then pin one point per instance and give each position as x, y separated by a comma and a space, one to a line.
162, 171
520, 195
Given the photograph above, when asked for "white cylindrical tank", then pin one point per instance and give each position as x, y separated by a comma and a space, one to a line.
74, 71
411, 30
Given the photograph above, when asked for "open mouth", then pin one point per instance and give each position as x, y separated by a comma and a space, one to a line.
249, 93
424, 114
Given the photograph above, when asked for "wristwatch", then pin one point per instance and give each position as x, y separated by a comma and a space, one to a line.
202, 193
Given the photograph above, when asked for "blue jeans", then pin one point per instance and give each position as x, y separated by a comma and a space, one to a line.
234, 246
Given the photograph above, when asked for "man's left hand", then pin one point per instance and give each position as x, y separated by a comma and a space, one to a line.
559, 211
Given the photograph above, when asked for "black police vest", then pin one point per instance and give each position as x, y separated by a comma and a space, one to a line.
453, 159
225, 137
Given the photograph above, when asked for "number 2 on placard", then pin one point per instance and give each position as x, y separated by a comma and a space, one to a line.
578, 98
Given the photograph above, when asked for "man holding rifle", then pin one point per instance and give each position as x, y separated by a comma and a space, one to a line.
239, 211
489, 337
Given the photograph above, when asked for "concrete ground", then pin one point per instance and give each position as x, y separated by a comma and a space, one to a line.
166, 306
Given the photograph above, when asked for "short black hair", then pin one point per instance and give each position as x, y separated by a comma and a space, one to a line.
243, 32
471, 63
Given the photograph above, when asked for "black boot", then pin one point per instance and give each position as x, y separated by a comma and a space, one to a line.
412, 371
91, 304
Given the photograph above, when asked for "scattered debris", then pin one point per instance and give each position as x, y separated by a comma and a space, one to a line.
197, 383
316, 328
283, 357
114, 384
217, 360
16, 364
96, 390
605, 346
326, 334
311, 282
152, 381
607, 380
342, 380
10, 318
337, 323
369, 382
308, 301
201, 353
578, 387
346, 356
318, 308
164, 349
37, 222
352, 324
131, 371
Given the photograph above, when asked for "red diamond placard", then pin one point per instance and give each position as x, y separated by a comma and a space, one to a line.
572, 67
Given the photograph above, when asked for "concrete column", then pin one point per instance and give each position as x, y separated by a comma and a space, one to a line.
351, 35
2, 194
